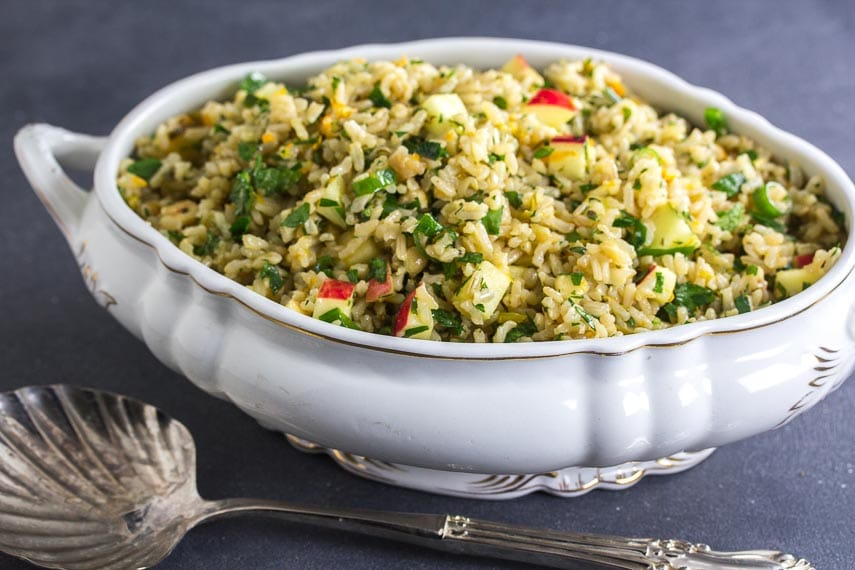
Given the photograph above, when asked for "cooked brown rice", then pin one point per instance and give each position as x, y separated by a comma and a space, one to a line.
511, 243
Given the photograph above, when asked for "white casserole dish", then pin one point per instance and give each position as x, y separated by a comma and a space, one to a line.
480, 408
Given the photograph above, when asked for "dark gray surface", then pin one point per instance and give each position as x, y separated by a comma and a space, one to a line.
83, 65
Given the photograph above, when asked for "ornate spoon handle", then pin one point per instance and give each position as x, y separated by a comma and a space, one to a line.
510, 542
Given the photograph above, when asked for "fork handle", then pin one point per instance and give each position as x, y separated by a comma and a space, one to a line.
463, 535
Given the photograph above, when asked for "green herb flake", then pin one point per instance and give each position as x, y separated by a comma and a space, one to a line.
751, 270
587, 187
174, 235
431, 150
480, 307
589, 319
324, 264
693, 296
246, 150
636, 230
514, 199
578, 249
378, 99
352, 275
500, 102
715, 120
242, 195
730, 184
218, 128
252, 82
576, 278
377, 269
492, 221
751, 153
630, 322
374, 182
273, 276
660, 282
336, 81
239, 227
449, 320
209, 247
495, 157
627, 113
743, 304
731, 219
524, 329
145, 168
543, 152
297, 217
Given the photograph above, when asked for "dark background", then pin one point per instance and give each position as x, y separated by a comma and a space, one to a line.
83, 65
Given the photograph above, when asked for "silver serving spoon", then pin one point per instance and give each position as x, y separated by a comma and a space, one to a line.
90, 479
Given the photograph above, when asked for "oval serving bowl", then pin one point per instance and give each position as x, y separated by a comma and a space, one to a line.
471, 408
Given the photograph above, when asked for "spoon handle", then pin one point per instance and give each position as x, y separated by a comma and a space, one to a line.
551, 548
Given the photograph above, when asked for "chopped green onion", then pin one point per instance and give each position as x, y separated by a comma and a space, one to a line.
415, 330
374, 182
336, 314
543, 152
771, 206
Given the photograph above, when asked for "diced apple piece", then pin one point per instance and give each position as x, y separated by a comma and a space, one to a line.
331, 204
671, 234
516, 65
378, 289
571, 285
415, 317
570, 156
791, 281
334, 295
441, 109
551, 107
802, 260
480, 295
357, 250
657, 284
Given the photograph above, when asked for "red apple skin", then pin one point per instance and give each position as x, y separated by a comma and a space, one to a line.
552, 97
377, 289
404, 313
335, 289
650, 270
516, 64
570, 139
802, 260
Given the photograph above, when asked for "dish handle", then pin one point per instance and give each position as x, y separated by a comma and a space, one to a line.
42, 150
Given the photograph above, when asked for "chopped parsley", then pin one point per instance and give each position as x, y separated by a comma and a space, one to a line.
751, 270
743, 304
431, 150
415, 330
377, 269
730, 184
495, 157
500, 102
297, 217
492, 221
523, 329
325, 265
715, 120
576, 278
428, 227
589, 319
242, 195
731, 219
693, 296
635, 229
514, 199
174, 235
352, 275
209, 247
252, 82
246, 150
448, 320
239, 227
378, 99
145, 168
660, 282
218, 128
274, 278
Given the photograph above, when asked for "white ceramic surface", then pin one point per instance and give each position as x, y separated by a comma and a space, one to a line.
519, 408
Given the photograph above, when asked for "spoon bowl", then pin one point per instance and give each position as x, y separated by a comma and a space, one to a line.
92, 480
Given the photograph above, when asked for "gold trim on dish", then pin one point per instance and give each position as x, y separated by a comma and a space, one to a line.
296, 328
